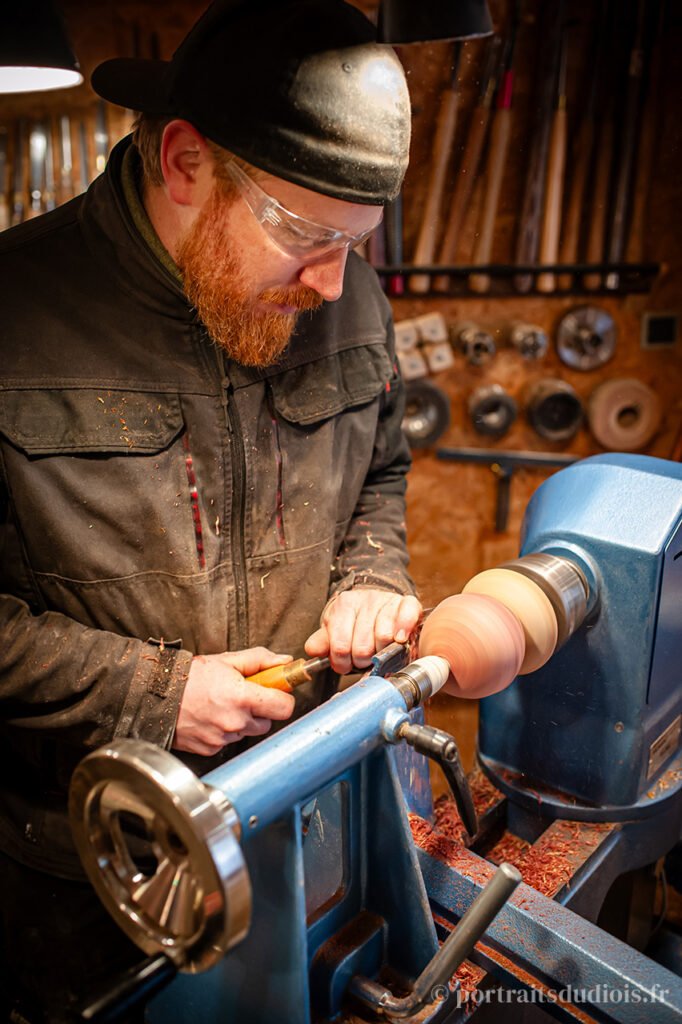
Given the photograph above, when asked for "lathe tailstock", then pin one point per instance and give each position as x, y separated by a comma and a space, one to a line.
286, 885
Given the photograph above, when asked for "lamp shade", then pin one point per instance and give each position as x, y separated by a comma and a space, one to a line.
419, 21
35, 53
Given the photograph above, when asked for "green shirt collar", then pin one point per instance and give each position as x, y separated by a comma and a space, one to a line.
130, 181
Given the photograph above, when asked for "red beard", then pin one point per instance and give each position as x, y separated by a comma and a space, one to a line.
214, 284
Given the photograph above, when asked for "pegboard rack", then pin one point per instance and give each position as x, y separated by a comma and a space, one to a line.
520, 281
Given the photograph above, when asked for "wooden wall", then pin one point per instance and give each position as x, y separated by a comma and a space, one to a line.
451, 506
451, 515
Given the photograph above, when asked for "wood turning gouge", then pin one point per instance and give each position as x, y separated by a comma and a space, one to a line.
287, 677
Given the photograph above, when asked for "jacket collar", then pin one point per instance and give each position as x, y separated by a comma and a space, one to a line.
131, 183
115, 223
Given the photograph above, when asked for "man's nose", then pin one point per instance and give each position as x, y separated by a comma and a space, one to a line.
325, 276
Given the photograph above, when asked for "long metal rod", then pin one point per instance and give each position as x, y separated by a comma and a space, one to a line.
509, 458
547, 947
459, 943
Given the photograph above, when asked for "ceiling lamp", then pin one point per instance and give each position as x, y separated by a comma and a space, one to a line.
35, 53
419, 21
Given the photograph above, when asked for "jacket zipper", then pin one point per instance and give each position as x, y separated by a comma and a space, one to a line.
279, 501
237, 509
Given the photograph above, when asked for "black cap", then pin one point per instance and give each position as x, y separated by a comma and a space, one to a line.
299, 88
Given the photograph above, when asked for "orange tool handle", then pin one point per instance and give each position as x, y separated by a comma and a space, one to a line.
283, 677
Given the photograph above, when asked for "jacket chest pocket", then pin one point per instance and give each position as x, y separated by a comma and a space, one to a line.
325, 415
97, 480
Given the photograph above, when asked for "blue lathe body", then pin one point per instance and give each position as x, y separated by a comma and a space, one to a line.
286, 886
602, 718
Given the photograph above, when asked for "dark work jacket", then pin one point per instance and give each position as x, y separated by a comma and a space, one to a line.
114, 405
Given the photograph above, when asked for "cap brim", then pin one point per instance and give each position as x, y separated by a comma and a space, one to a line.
135, 84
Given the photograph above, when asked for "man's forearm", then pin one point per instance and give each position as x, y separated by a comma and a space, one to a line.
62, 677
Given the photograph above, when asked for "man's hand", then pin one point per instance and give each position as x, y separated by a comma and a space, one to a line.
358, 623
219, 707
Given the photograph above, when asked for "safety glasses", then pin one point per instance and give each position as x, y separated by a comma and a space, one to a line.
296, 236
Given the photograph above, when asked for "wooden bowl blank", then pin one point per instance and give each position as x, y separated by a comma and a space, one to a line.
481, 640
529, 604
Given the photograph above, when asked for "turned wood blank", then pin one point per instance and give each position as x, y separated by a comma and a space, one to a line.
481, 640
529, 604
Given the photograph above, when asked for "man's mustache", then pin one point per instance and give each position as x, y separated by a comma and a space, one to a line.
299, 296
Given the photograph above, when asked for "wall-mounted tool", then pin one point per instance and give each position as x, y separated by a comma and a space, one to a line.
50, 193
530, 218
581, 151
623, 414
622, 198
586, 338
504, 464
393, 221
498, 147
66, 187
101, 137
37, 148
4, 178
468, 169
554, 183
427, 240
19, 185
84, 156
492, 410
650, 137
554, 410
476, 344
427, 413
529, 340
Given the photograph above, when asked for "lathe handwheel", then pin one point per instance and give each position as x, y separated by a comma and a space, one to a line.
160, 849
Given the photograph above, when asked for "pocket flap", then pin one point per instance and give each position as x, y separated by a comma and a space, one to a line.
315, 391
43, 421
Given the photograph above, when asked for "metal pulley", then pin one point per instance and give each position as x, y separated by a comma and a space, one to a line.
492, 410
427, 413
160, 848
554, 410
586, 338
529, 341
476, 344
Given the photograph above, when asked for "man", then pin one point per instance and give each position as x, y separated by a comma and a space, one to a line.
200, 437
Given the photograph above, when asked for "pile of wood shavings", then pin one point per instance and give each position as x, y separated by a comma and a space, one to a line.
469, 978
546, 866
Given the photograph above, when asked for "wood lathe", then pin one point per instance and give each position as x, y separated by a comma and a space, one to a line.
286, 885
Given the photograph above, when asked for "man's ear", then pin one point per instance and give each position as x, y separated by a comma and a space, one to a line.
185, 163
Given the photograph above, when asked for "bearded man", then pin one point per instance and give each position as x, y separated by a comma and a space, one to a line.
202, 467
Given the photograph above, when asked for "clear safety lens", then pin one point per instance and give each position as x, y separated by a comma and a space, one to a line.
294, 235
